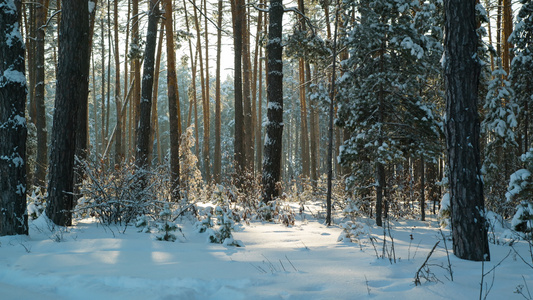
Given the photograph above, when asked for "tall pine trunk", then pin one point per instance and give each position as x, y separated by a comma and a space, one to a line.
72, 89
217, 167
461, 71
237, 8
13, 216
145, 106
42, 132
119, 147
173, 105
274, 129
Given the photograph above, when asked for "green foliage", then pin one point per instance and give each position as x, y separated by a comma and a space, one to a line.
390, 87
166, 226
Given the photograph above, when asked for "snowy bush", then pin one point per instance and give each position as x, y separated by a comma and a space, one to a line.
520, 192
166, 227
523, 219
190, 175
226, 224
352, 231
36, 203
116, 196
445, 211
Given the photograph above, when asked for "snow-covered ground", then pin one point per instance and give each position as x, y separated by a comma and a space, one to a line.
304, 261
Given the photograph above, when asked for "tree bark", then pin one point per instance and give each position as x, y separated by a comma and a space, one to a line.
136, 75
13, 130
206, 109
274, 129
246, 95
119, 148
40, 121
71, 91
461, 70
145, 108
154, 119
217, 167
237, 9
173, 105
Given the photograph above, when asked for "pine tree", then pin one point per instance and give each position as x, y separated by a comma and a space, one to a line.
522, 69
462, 68
498, 126
274, 128
392, 58
72, 89
13, 130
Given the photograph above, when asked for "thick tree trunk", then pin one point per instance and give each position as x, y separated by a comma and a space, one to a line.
173, 105
461, 70
145, 108
71, 90
274, 130
13, 216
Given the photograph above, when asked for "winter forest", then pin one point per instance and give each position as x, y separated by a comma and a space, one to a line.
297, 149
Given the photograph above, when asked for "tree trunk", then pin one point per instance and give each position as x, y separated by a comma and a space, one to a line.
173, 105
206, 109
154, 120
246, 95
304, 136
143, 130
422, 190
274, 130
257, 93
237, 9
103, 85
13, 216
71, 91
461, 70
192, 88
507, 30
119, 148
136, 75
42, 132
217, 167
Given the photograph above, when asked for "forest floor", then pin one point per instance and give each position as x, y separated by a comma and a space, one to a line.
303, 261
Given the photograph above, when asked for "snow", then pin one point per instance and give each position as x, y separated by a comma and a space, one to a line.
14, 36
92, 5
8, 6
11, 75
304, 261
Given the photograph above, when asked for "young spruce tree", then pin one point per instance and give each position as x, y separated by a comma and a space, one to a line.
394, 51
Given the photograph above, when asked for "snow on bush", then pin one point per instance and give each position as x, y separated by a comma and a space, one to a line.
445, 211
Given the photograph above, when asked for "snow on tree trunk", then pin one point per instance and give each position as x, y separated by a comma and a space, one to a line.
72, 88
13, 217
274, 128
461, 70
145, 107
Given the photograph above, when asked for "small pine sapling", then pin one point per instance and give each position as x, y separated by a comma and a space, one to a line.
166, 227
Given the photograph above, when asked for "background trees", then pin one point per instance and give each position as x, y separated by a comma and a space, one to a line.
390, 109
383, 95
